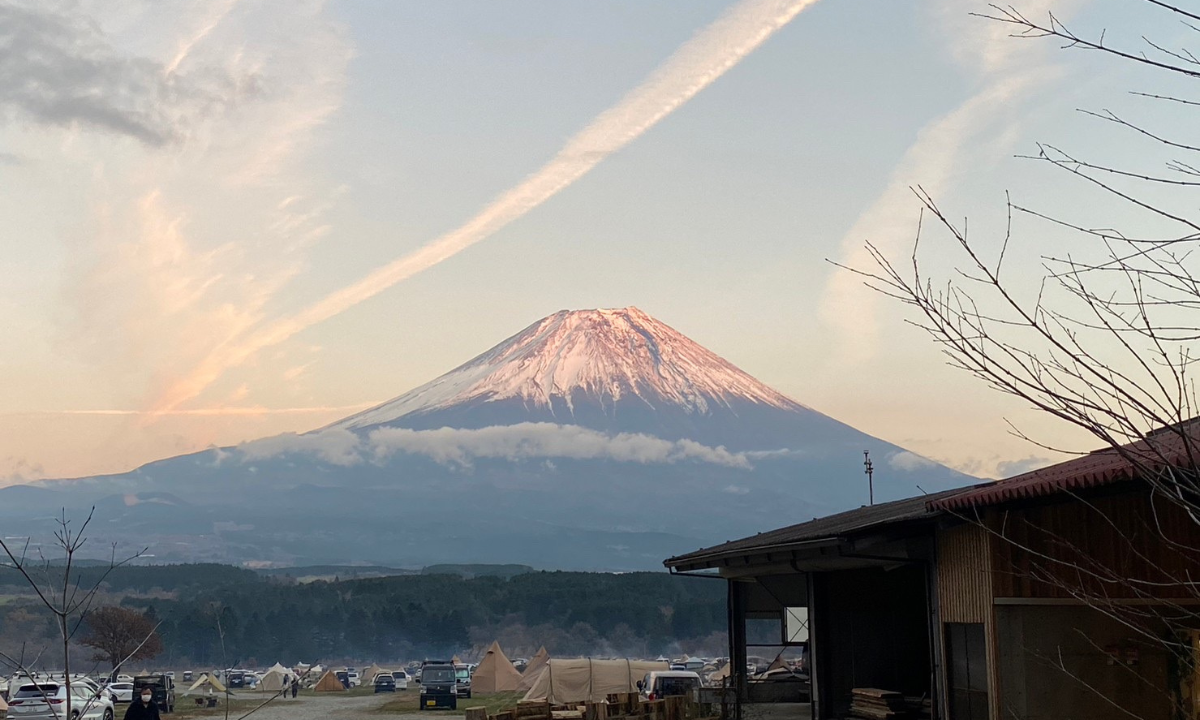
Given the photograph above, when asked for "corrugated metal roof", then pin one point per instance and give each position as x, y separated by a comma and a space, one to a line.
831, 527
1102, 467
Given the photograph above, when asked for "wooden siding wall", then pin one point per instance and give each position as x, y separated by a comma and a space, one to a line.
1058, 550
964, 574
964, 588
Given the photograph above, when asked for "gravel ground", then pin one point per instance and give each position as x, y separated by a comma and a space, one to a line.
329, 707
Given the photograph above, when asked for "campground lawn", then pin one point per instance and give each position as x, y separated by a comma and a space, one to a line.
409, 701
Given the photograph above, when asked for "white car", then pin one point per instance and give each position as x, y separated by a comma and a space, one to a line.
48, 700
401, 679
659, 684
122, 692
355, 681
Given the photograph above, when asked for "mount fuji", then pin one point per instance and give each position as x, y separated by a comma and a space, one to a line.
592, 439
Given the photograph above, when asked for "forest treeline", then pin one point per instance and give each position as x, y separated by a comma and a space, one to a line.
264, 619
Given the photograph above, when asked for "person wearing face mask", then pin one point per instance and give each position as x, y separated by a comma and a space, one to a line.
143, 708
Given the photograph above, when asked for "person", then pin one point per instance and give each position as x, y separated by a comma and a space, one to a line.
143, 707
295, 687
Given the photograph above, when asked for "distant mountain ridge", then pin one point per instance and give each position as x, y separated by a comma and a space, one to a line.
592, 439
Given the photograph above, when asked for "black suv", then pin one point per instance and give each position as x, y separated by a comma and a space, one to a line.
439, 686
163, 687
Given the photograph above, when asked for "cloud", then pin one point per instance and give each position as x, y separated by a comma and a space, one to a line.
545, 440
1011, 468
457, 447
909, 461
219, 411
58, 68
1007, 73
192, 233
337, 447
737, 490
17, 470
690, 69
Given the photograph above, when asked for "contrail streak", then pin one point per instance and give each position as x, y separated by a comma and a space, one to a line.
690, 69
209, 411
186, 46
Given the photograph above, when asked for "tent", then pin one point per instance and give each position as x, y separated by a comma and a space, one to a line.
275, 679
455, 661
584, 680
206, 682
3, 706
495, 673
778, 664
533, 668
329, 683
720, 674
368, 674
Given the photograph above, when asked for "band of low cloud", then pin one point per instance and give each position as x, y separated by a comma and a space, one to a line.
458, 447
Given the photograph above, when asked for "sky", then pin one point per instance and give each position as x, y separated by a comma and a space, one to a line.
229, 219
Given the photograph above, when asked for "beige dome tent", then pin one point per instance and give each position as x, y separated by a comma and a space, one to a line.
533, 668
275, 679
495, 673
584, 680
778, 664
368, 675
329, 683
720, 674
206, 682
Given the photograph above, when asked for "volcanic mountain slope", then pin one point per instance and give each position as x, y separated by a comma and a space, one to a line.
612, 371
593, 439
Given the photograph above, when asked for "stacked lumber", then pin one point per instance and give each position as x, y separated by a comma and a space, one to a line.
532, 711
875, 704
922, 707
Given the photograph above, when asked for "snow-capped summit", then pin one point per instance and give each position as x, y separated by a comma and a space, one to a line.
601, 358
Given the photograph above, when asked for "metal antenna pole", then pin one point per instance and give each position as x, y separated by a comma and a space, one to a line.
870, 470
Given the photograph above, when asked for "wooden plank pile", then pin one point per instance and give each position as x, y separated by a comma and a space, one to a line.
875, 704
616, 707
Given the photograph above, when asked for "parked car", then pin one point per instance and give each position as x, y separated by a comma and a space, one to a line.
163, 687
463, 675
355, 679
95, 687
35, 701
669, 683
384, 683
344, 678
187, 675
401, 679
439, 686
122, 692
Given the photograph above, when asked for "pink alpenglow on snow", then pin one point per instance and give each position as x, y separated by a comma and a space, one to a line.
601, 355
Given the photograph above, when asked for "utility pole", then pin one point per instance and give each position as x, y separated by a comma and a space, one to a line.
870, 470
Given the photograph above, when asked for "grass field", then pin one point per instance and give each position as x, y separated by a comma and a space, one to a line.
409, 702
403, 703
243, 701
